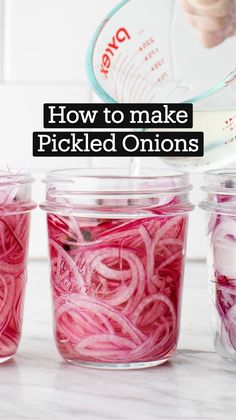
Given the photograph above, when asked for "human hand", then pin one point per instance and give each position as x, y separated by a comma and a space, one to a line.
215, 20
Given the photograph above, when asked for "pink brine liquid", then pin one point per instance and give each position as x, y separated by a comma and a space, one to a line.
14, 233
117, 287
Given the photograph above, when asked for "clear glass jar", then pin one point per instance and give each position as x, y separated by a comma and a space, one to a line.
220, 207
15, 206
117, 248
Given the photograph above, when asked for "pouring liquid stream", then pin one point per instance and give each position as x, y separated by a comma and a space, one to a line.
134, 166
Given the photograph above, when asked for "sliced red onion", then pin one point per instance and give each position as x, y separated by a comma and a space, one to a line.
117, 294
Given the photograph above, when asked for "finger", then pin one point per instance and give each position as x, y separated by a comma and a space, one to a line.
205, 2
211, 39
233, 29
233, 33
207, 24
217, 9
187, 6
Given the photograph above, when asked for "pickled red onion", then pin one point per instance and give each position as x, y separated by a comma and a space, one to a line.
13, 253
116, 290
222, 229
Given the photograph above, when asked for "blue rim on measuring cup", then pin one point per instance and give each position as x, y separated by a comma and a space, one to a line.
107, 98
89, 61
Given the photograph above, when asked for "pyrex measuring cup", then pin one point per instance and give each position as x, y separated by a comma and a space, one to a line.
148, 53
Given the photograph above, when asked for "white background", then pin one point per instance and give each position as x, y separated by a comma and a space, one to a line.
42, 59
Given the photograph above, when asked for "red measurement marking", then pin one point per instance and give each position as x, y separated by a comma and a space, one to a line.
230, 124
231, 140
152, 54
162, 77
146, 44
158, 64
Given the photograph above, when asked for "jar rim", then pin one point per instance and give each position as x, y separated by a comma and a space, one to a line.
15, 191
15, 176
220, 182
109, 190
176, 180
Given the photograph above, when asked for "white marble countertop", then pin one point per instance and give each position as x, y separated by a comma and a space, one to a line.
38, 385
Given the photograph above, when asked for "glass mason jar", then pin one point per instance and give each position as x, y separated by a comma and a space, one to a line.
15, 207
117, 249
220, 206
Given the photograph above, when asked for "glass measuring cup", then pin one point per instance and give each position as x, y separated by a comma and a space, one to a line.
137, 60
